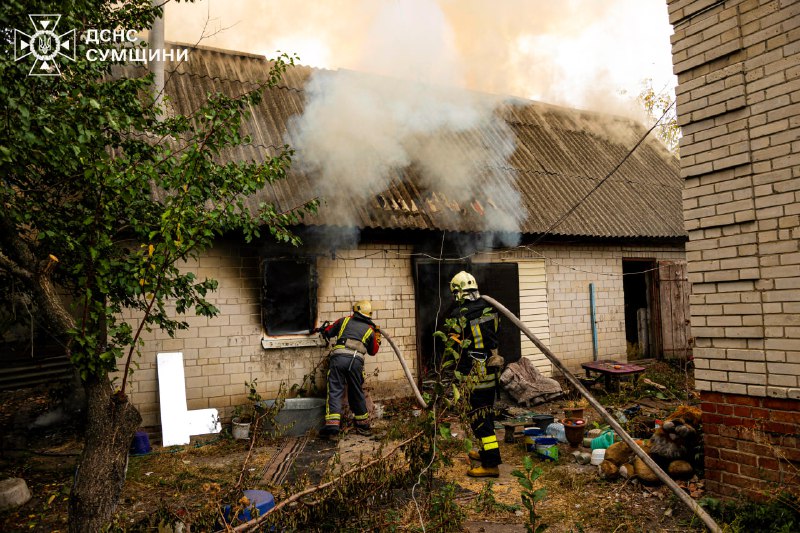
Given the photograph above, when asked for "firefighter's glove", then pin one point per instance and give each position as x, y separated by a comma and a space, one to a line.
377, 336
322, 328
495, 360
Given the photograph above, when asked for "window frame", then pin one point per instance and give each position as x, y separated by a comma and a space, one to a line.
267, 300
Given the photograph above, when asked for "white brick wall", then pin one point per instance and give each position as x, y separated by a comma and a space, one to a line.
569, 269
221, 353
381, 274
739, 109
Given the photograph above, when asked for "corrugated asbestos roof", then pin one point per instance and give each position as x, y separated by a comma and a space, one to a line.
560, 155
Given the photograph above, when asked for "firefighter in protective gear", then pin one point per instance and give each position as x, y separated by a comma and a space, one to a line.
478, 364
353, 336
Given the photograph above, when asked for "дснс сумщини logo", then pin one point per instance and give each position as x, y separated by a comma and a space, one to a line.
45, 45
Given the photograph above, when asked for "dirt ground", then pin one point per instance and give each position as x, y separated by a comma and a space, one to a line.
181, 483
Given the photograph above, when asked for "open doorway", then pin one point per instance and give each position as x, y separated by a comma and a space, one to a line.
639, 287
434, 303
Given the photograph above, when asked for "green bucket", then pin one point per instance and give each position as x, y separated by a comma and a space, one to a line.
547, 448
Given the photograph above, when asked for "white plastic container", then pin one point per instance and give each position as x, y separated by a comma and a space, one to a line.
556, 430
598, 455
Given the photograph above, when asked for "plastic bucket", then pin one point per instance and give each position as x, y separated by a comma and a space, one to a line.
140, 444
261, 500
542, 421
546, 448
530, 435
598, 455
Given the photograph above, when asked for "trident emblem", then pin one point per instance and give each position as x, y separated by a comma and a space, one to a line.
44, 44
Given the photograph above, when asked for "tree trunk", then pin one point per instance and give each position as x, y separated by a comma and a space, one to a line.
111, 422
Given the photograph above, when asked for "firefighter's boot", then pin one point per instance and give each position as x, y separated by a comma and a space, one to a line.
475, 455
484, 471
363, 430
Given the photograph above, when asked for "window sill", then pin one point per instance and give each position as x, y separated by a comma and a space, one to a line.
268, 343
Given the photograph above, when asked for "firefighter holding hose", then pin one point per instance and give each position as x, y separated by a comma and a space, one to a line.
353, 337
479, 365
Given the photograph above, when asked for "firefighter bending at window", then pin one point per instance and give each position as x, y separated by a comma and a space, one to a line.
480, 365
353, 336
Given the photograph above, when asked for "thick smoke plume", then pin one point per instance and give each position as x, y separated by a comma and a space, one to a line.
397, 98
576, 53
360, 131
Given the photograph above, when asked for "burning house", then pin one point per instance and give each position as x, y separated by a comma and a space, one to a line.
416, 183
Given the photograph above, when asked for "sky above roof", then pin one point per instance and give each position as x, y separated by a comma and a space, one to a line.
590, 54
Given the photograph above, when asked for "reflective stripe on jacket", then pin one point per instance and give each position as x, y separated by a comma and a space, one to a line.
353, 332
482, 324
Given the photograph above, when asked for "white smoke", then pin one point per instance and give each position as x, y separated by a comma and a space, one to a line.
589, 54
358, 131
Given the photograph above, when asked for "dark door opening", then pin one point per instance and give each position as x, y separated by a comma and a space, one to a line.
640, 315
434, 303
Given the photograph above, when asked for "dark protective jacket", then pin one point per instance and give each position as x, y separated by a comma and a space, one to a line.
481, 329
354, 332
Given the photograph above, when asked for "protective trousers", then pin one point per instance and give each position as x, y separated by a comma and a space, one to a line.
482, 422
345, 372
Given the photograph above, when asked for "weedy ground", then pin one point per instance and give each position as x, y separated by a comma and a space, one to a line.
193, 483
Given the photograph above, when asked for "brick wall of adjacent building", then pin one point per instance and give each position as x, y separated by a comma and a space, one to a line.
738, 96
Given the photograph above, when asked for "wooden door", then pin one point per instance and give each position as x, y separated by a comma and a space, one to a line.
673, 301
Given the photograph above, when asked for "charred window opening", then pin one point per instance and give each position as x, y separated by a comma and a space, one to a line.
289, 296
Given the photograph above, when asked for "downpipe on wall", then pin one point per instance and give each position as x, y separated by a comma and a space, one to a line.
593, 311
685, 498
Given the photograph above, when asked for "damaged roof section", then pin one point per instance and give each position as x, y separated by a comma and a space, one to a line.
559, 156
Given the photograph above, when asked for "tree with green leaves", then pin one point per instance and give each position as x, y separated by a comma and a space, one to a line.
661, 106
103, 195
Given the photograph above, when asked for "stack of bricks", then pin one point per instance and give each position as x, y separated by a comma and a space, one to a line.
739, 109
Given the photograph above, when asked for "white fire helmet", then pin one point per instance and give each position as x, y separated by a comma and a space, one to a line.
364, 307
464, 286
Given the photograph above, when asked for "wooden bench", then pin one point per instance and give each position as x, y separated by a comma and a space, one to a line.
612, 371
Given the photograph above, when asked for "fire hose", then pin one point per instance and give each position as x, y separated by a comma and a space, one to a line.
626, 438
685, 498
409, 377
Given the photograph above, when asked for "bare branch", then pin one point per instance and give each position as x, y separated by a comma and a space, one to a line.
253, 524
14, 269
